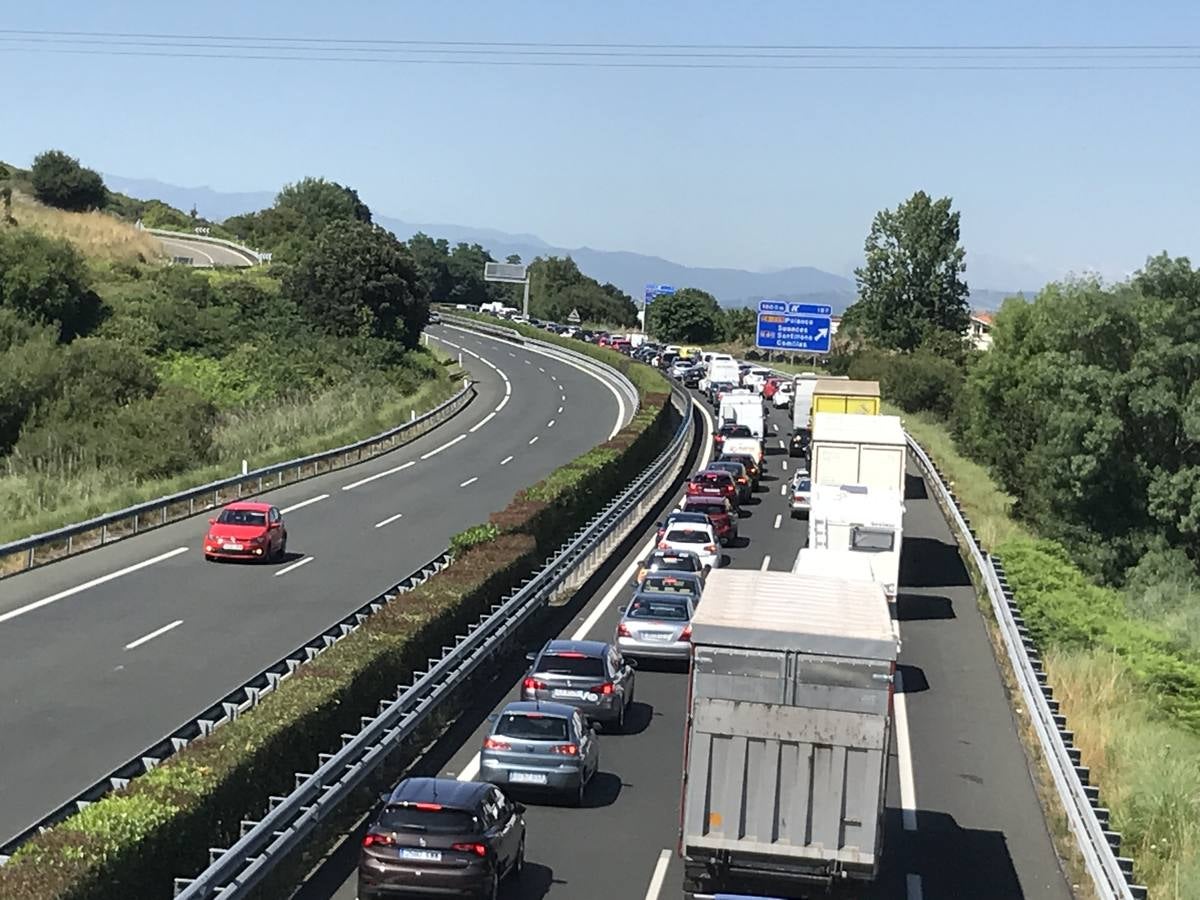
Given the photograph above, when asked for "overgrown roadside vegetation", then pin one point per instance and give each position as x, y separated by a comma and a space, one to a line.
133, 843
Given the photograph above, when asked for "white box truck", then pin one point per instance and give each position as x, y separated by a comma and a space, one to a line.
789, 718
851, 449
857, 519
742, 408
845, 564
803, 386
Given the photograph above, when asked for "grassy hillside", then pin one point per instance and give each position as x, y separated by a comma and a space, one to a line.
98, 235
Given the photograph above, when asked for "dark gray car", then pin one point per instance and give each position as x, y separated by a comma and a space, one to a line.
540, 746
591, 676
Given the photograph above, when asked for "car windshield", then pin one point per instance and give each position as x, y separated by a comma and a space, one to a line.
669, 608
803, 484
665, 584
242, 517
576, 664
731, 467
674, 564
429, 821
735, 430
712, 478
532, 727
688, 536
709, 509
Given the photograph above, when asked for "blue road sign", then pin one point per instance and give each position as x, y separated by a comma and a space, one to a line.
657, 290
799, 333
795, 309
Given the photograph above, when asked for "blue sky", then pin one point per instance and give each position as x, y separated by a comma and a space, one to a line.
1053, 171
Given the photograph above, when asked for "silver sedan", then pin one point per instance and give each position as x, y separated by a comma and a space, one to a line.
656, 626
540, 746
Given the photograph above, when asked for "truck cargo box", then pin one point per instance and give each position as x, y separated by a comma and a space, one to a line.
857, 519
788, 730
854, 397
803, 386
868, 450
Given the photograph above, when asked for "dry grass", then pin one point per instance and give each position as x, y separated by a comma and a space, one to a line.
95, 234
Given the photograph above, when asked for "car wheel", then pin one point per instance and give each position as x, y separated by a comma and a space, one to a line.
209, 558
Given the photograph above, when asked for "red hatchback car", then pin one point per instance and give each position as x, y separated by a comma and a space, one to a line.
713, 483
246, 530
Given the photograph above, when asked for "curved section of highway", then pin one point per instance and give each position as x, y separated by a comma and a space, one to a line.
203, 254
962, 821
104, 653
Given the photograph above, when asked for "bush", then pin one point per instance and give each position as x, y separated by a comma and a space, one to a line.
46, 280
916, 382
60, 181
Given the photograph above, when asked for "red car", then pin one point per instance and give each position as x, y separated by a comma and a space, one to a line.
770, 386
713, 484
720, 513
246, 530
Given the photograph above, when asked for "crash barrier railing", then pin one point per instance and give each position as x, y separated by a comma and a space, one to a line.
236, 871
27, 553
557, 351
253, 256
1088, 821
227, 708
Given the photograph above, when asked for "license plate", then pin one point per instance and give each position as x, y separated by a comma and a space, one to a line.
655, 636
232, 547
421, 855
574, 695
527, 777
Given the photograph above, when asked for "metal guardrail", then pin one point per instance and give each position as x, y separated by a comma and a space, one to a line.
254, 256
114, 526
1111, 875
228, 707
235, 871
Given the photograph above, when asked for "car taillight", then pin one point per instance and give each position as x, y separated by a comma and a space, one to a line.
532, 684
374, 840
663, 545
623, 630
477, 849
741, 479
493, 744
710, 548
728, 488
686, 635
604, 689
565, 749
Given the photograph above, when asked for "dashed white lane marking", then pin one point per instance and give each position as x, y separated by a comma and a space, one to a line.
550, 424
352, 485
303, 503
528, 363
540, 369
766, 563
506, 461
513, 355
389, 520
912, 887
784, 464
152, 635
783, 490
778, 519
775, 426
297, 564
534, 439
781, 444
554, 378
659, 875
46, 601
474, 428
560, 409
908, 790
450, 443
470, 480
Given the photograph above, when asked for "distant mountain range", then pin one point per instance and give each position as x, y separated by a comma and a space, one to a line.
627, 270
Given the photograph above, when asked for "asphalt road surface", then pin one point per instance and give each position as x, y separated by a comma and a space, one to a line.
203, 254
974, 828
104, 653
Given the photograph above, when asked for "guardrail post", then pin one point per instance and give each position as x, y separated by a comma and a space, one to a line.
135, 523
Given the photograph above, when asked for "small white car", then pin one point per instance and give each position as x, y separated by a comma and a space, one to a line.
782, 398
801, 502
700, 538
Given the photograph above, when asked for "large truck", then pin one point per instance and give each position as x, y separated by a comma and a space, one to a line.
838, 396
857, 519
802, 395
789, 720
743, 408
844, 564
847, 449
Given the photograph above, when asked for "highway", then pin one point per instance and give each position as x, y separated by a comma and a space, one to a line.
204, 255
105, 653
962, 816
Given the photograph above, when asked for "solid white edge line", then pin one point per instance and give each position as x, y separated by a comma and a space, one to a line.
297, 564
471, 480
778, 519
766, 563
352, 485
474, 428
912, 887
506, 460
908, 791
69, 592
304, 503
152, 635
448, 444
659, 875
533, 440
389, 520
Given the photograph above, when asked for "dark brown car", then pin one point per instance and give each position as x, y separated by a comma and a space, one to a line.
444, 838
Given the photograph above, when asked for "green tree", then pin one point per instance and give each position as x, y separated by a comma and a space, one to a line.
357, 280
689, 315
300, 212
741, 323
29, 364
60, 181
432, 261
46, 280
911, 284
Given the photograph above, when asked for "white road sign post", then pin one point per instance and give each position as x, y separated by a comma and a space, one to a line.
509, 273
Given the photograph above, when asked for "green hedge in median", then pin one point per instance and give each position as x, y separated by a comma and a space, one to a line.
134, 842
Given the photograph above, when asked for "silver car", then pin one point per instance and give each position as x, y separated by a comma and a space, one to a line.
541, 746
656, 626
588, 675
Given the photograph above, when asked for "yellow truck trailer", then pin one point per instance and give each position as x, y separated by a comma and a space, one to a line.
854, 397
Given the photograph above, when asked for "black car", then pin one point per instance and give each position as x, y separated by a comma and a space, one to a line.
444, 837
799, 444
753, 469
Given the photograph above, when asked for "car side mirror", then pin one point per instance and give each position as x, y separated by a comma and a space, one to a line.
493, 717
212, 521
621, 609
631, 663
385, 797
519, 809
594, 728
530, 657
